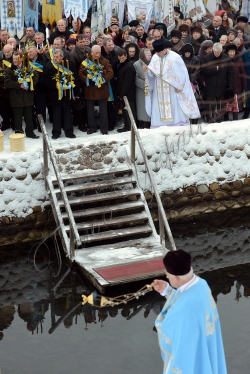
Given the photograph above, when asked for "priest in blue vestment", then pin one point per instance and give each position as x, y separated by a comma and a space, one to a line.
188, 326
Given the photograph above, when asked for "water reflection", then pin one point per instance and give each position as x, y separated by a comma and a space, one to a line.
35, 306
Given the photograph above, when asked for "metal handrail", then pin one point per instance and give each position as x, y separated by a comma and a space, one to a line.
163, 222
47, 148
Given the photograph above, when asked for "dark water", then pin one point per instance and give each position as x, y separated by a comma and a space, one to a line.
41, 334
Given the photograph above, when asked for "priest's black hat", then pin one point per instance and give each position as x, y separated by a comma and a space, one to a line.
177, 262
158, 45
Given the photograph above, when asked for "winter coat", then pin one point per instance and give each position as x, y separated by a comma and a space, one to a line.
39, 87
47, 80
18, 96
240, 79
140, 95
57, 34
192, 63
78, 55
4, 92
222, 31
197, 44
217, 80
125, 84
92, 92
111, 57
176, 47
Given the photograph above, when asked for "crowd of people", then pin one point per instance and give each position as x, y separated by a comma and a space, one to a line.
197, 70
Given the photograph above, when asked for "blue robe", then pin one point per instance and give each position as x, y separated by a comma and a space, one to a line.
189, 332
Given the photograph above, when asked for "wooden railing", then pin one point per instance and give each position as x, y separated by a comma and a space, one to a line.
48, 151
163, 222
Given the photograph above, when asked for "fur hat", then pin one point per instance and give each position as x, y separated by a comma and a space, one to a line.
231, 47
134, 23
232, 31
206, 44
184, 27
177, 262
176, 34
196, 29
242, 19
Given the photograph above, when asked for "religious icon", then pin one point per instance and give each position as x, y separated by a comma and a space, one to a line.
141, 14
32, 4
115, 8
11, 12
50, 2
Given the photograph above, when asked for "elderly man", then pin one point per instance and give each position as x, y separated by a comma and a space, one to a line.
3, 38
217, 28
13, 43
5, 108
21, 98
57, 44
93, 93
61, 30
188, 326
39, 39
171, 101
29, 38
218, 75
60, 100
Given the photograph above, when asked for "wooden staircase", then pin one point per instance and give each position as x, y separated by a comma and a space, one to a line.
107, 206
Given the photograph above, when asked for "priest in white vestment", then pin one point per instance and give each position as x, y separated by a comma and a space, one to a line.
170, 100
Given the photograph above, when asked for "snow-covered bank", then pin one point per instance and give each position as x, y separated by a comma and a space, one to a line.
207, 154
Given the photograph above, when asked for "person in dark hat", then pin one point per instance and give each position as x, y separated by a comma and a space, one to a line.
70, 44
232, 34
240, 84
176, 41
162, 28
197, 38
171, 103
188, 326
133, 24
185, 33
242, 36
178, 13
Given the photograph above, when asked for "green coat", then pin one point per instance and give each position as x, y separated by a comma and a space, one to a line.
18, 96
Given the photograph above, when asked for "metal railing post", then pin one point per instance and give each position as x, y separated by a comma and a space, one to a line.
161, 211
132, 141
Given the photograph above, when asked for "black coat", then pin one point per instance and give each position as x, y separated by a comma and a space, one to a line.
222, 31
193, 67
49, 72
197, 44
125, 84
111, 57
78, 55
57, 34
39, 89
217, 80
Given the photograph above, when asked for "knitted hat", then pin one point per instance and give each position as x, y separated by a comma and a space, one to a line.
86, 36
158, 45
184, 27
242, 19
114, 23
232, 31
206, 44
134, 34
70, 42
196, 29
187, 48
177, 262
134, 23
176, 34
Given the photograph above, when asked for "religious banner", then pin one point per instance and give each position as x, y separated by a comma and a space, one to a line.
234, 4
157, 11
115, 8
168, 15
12, 17
77, 8
31, 13
141, 10
245, 9
212, 5
98, 17
51, 11
193, 8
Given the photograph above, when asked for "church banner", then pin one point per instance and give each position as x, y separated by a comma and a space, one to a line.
193, 8
98, 17
77, 8
115, 8
31, 13
52, 11
157, 12
168, 13
12, 17
235, 4
141, 10
212, 5
245, 9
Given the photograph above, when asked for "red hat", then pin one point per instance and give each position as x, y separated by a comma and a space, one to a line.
177, 262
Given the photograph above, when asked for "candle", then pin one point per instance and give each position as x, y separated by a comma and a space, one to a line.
37, 46
87, 56
42, 45
92, 57
67, 62
2, 66
58, 68
19, 46
18, 60
63, 64
28, 61
98, 59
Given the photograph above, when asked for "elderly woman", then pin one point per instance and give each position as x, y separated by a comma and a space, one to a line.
144, 59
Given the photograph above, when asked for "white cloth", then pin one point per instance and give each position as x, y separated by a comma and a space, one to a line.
163, 104
76, 9
141, 10
115, 8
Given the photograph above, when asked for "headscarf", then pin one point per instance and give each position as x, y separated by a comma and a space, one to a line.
142, 56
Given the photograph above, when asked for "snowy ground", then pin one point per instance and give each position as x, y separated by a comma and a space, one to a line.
179, 156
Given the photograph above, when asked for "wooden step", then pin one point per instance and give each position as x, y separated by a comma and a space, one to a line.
98, 184
106, 209
106, 235
101, 197
110, 221
94, 173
